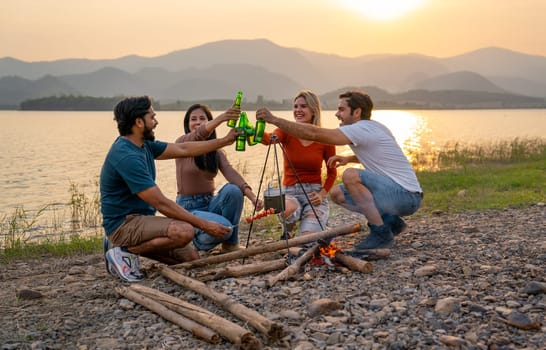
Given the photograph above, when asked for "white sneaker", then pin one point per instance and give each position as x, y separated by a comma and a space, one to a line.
107, 246
125, 264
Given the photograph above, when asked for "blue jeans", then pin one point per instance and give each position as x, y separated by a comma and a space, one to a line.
224, 208
389, 197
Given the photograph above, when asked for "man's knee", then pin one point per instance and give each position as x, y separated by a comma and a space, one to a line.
337, 195
351, 176
180, 231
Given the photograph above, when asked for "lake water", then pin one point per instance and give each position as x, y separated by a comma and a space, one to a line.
44, 152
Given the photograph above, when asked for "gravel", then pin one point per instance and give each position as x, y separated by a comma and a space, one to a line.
474, 280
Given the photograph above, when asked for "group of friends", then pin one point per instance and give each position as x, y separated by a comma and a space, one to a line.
204, 218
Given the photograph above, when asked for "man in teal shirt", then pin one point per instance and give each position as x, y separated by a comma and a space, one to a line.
130, 196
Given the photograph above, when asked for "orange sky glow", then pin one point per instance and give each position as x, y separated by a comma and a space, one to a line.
55, 29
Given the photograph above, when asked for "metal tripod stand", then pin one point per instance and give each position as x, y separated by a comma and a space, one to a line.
275, 142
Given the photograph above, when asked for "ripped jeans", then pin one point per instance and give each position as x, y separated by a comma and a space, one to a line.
304, 212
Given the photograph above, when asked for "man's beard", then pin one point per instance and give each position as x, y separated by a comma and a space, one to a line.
148, 134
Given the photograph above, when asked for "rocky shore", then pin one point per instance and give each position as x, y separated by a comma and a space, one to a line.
475, 280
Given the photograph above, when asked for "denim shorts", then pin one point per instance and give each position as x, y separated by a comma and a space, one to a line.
305, 212
389, 196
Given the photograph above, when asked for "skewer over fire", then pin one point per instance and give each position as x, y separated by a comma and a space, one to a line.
259, 215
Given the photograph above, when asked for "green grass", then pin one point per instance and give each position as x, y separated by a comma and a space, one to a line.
485, 186
20, 229
73, 246
460, 154
485, 176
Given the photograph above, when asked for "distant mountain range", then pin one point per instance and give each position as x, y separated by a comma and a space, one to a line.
489, 77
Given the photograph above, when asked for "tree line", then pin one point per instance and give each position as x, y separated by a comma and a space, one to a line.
71, 103
89, 103
414, 99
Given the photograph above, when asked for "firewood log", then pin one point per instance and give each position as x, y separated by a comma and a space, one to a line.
353, 263
259, 322
238, 335
241, 270
293, 268
191, 326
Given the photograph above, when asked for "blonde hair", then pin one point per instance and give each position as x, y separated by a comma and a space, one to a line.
313, 102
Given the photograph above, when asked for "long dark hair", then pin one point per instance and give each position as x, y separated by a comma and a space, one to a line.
207, 161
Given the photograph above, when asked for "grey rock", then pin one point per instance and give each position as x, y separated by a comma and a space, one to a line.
27, 294
323, 306
535, 287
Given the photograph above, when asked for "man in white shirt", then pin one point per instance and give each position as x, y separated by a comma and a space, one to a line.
386, 189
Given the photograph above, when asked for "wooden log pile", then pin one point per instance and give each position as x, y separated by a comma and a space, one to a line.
271, 247
210, 327
196, 320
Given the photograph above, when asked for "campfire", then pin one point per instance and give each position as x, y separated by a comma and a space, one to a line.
334, 254
326, 255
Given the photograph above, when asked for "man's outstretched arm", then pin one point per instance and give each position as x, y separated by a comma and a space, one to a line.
303, 130
196, 148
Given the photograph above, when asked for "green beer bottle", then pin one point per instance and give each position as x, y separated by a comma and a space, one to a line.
250, 140
259, 130
241, 139
236, 104
250, 131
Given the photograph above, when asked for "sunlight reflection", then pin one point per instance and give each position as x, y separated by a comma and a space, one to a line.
409, 128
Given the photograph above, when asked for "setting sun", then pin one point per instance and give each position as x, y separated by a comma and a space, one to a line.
383, 10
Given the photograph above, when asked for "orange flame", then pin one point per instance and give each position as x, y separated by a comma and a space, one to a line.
325, 255
329, 251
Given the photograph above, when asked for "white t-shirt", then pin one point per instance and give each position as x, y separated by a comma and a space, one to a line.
377, 150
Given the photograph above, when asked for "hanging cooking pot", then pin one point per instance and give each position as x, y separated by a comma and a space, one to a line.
274, 198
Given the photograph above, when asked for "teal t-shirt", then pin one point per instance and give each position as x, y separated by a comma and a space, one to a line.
127, 170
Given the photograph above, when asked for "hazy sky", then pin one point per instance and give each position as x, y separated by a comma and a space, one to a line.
34, 30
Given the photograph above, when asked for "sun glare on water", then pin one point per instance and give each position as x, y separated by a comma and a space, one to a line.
383, 10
